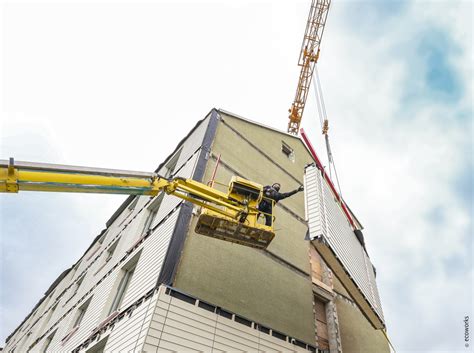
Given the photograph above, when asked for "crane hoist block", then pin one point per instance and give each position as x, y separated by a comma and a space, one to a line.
243, 228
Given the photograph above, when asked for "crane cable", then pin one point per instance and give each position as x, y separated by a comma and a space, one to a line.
324, 128
325, 125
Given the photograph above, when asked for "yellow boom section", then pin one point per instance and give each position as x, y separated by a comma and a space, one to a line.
231, 216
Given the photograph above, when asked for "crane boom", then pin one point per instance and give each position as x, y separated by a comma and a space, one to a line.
231, 216
308, 58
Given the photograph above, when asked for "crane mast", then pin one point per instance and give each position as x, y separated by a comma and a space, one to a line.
308, 58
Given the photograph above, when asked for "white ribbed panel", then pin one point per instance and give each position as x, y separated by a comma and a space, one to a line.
151, 259
322, 208
128, 334
180, 326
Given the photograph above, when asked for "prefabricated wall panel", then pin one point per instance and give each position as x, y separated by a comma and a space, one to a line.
182, 324
335, 240
100, 277
247, 281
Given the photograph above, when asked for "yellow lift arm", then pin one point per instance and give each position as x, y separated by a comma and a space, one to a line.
231, 216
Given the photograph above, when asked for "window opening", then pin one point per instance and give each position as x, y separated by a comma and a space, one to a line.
102, 238
171, 165
48, 341
78, 285
81, 312
126, 277
288, 151
152, 212
321, 323
110, 251
99, 347
133, 203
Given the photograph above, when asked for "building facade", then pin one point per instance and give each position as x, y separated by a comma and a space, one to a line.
149, 283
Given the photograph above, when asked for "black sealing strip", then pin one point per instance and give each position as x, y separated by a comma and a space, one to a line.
173, 254
176, 293
175, 247
260, 151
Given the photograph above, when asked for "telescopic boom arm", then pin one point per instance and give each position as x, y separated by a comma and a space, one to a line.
231, 216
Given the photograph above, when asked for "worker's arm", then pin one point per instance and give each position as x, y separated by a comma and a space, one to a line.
283, 195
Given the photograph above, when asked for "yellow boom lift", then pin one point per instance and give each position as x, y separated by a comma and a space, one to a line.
231, 216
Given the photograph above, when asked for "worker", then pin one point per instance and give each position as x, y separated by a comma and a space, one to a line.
273, 193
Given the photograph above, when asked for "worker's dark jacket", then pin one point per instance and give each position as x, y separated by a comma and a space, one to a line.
271, 193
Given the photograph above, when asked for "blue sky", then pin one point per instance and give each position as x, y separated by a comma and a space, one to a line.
397, 80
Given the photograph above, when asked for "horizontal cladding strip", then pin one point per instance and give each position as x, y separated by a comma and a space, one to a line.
237, 173
183, 317
131, 328
230, 328
127, 311
123, 335
260, 151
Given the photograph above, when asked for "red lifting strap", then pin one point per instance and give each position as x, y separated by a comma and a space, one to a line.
326, 177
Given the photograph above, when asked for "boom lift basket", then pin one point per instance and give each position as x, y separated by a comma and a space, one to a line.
242, 228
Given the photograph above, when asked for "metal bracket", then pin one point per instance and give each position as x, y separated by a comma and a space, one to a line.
12, 177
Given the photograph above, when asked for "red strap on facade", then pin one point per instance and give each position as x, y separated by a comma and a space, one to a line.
326, 177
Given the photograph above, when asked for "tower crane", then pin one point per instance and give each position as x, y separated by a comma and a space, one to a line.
308, 58
231, 216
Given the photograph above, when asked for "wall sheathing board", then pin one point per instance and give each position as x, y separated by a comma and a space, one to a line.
335, 240
247, 281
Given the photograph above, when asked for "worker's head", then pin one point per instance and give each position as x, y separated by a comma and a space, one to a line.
276, 186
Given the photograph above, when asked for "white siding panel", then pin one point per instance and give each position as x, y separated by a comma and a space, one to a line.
328, 223
151, 259
182, 326
127, 334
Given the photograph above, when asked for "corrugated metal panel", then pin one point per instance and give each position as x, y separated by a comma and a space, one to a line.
180, 325
335, 240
